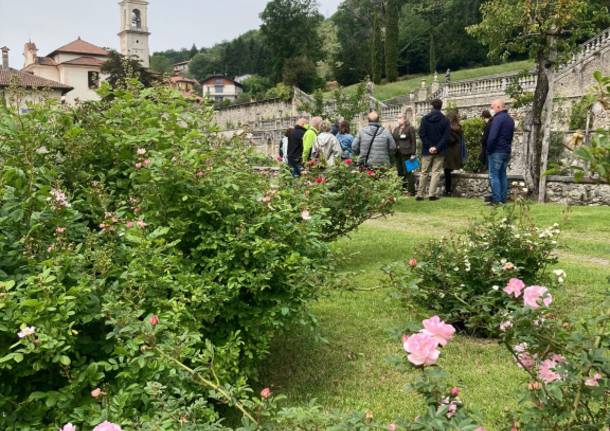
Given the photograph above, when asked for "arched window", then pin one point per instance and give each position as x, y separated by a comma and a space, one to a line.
136, 18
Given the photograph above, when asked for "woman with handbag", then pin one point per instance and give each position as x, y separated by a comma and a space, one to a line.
404, 135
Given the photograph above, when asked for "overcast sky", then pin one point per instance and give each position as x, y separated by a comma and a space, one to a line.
173, 23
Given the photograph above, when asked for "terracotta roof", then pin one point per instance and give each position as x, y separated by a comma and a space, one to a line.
27, 80
182, 79
80, 46
84, 61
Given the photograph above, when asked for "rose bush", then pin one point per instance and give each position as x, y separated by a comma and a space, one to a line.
461, 277
144, 266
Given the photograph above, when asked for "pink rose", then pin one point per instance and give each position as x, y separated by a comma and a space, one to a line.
146, 163
526, 360
348, 162
508, 266
514, 287
138, 166
141, 224
422, 349
593, 381
533, 294
68, 427
129, 225
154, 320
107, 426
200, 174
452, 409
266, 393
412, 262
60, 230
547, 372
305, 215
455, 391
480, 429
439, 330
392, 427
96, 392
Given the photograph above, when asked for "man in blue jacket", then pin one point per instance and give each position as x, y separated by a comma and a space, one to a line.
499, 147
434, 131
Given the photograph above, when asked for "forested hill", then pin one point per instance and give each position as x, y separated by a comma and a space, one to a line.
380, 39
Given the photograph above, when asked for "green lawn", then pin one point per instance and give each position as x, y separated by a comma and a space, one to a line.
352, 368
410, 83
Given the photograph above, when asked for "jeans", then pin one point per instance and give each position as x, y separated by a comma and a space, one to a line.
295, 168
431, 165
498, 163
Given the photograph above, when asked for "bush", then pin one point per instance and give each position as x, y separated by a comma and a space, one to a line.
459, 277
473, 132
145, 266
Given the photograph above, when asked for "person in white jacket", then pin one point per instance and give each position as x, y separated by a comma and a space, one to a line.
326, 148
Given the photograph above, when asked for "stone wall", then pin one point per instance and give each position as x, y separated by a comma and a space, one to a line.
560, 189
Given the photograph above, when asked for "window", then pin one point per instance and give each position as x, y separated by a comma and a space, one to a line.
136, 18
219, 82
219, 89
93, 79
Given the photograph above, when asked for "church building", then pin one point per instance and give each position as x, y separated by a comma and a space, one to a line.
78, 64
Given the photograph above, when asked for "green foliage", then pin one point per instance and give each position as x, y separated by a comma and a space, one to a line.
290, 30
461, 277
119, 210
301, 72
580, 111
473, 134
377, 62
392, 15
161, 64
120, 69
515, 91
349, 105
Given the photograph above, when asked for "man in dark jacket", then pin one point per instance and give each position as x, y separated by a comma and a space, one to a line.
434, 131
295, 147
499, 148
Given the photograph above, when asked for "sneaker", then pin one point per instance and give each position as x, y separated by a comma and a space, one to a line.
419, 198
433, 198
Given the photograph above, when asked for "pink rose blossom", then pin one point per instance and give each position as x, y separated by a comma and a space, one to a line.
439, 330
392, 427
348, 162
141, 224
154, 320
593, 381
480, 429
452, 409
60, 230
266, 393
27, 331
200, 174
514, 287
508, 266
547, 372
413, 262
146, 163
506, 325
96, 392
138, 166
533, 294
68, 427
455, 391
107, 426
129, 224
526, 360
422, 349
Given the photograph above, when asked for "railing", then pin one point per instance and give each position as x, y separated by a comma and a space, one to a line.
588, 49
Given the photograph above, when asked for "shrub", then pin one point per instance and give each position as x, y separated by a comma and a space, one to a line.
145, 266
473, 132
567, 362
460, 277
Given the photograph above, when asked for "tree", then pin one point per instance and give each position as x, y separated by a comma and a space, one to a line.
377, 44
120, 68
301, 72
392, 15
548, 30
290, 29
160, 63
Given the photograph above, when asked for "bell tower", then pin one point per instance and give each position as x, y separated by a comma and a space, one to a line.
134, 30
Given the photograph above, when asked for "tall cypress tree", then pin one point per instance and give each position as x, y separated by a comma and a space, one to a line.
392, 14
377, 44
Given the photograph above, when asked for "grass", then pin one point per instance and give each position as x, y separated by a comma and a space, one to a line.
353, 368
411, 83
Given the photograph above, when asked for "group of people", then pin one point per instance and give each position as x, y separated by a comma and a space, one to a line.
443, 149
